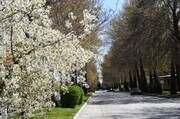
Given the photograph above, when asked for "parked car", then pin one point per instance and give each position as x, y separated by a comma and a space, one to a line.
136, 91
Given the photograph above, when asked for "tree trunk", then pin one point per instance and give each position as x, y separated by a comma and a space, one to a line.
157, 85
119, 85
151, 81
177, 63
134, 79
176, 32
126, 87
173, 78
138, 76
130, 79
143, 76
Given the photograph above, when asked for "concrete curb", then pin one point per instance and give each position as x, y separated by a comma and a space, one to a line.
161, 96
82, 108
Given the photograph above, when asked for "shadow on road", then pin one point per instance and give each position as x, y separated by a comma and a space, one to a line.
110, 105
124, 98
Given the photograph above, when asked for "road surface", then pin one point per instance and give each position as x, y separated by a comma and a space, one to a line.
118, 105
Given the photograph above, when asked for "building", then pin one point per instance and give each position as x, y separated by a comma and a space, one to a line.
167, 81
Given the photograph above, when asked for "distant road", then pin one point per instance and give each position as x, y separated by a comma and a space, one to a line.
118, 105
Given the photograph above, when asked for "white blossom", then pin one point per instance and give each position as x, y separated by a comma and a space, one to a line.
36, 51
68, 24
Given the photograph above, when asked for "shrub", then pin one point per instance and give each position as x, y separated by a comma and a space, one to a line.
82, 95
71, 98
59, 103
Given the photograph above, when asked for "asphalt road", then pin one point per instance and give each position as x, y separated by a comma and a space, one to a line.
118, 105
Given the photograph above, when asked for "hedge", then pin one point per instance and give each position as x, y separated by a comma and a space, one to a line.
82, 95
72, 98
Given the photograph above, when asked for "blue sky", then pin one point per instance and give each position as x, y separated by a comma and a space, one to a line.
109, 4
112, 4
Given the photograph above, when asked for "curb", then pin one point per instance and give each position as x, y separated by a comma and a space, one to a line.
82, 108
161, 96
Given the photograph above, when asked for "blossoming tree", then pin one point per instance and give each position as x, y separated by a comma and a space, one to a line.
36, 51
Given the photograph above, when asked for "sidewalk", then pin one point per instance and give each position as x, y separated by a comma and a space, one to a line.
88, 111
80, 112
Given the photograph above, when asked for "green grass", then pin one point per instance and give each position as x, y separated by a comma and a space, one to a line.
166, 94
63, 113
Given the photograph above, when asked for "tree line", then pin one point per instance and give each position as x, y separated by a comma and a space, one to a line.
145, 44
